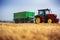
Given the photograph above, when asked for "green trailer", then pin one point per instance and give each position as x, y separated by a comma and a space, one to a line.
26, 16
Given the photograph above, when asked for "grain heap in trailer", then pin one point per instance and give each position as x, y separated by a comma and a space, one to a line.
44, 16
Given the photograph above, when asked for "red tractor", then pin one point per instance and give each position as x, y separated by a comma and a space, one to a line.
44, 16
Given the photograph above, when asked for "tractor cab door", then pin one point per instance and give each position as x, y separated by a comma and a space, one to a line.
41, 13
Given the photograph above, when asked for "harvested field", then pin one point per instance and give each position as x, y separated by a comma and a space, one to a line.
29, 31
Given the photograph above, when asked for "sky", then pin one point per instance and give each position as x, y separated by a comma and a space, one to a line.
9, 7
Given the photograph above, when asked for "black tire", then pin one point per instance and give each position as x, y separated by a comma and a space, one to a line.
37, 20
50, 20
16, 20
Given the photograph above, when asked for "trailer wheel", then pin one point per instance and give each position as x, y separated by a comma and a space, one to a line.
16, 20
37, 20
49, 20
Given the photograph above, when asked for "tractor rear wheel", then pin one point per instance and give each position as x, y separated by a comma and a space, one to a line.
37, 20
49, 20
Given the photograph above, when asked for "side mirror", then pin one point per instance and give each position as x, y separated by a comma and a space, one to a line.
50, 11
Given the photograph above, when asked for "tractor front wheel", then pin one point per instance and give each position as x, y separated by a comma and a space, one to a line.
49, 20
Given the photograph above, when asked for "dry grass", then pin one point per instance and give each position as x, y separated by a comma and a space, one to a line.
29, 31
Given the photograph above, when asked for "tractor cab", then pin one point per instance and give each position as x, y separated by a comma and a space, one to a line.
43, 12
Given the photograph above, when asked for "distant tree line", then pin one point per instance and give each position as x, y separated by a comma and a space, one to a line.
7, 21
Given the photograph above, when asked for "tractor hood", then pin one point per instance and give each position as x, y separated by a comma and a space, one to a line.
52, 15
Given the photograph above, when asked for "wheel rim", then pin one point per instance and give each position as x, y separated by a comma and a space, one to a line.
49, 20
37, 20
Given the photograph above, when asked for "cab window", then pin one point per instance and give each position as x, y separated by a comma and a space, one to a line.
40, 12
47, 12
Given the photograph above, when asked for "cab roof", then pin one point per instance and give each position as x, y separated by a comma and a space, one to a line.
43, 9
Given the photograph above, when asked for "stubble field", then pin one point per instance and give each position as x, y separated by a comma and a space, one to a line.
29, 31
